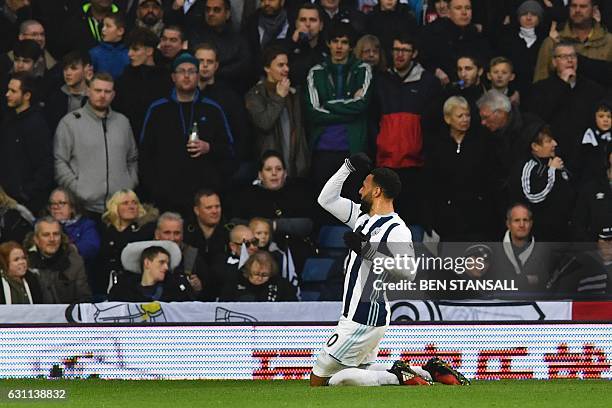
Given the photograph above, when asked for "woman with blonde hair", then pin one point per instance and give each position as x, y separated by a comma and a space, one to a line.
19, 284
125, 220
368, 50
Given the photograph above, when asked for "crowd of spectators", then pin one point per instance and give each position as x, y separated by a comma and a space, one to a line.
214, 124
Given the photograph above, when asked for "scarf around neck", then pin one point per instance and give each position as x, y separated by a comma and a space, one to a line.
272, 26
528, 35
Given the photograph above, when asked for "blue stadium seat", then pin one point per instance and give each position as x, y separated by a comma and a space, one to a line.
331, 240
317, 269
310, 295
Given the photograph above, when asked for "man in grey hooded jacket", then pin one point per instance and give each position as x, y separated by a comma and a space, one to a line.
95, 151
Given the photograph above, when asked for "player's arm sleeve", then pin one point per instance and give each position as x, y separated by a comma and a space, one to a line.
393, 256
342, 208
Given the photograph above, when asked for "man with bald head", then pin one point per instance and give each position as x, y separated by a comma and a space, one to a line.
34, 30
228, 271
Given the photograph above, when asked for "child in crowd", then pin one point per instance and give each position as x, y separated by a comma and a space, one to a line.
596, 142
262, 229
111, 55
501, 75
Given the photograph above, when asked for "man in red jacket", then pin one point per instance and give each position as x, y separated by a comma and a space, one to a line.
403, 96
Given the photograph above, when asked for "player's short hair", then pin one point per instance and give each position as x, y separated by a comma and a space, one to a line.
501, 60
388, 181
141, 36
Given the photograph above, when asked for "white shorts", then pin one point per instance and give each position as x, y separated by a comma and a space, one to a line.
352, 345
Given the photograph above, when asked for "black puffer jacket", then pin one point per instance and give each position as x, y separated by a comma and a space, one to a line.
459, 188
26, 158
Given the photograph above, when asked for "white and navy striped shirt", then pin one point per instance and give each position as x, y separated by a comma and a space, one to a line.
361, 302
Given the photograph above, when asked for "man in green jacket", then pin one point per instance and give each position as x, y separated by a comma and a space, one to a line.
337, 96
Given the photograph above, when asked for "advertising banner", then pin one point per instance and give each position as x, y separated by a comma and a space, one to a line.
486, 351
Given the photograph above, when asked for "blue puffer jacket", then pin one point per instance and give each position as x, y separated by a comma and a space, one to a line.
85, 236
109, 57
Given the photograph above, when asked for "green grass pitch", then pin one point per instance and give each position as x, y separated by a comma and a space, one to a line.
275, 394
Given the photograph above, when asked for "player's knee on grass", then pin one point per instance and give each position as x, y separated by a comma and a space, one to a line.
316, 381
326, 366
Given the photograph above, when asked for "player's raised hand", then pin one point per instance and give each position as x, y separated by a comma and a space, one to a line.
360, 162
354, 241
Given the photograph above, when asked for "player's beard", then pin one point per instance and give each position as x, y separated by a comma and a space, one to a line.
366, 204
